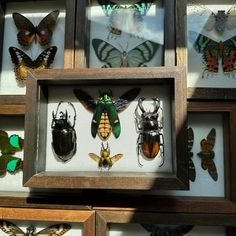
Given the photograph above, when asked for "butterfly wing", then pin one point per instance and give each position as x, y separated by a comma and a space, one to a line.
108, 6
44, 29
45, 59
86, 100
229, 55
142, 6
142, 53
107, 53
26, 29
10, 228
124, 101
10, 164
55, 230
231, 21
210, 24
192, 171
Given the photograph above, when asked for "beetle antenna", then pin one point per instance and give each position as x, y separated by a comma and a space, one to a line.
140, 104
139, 163
74, 113
156, 104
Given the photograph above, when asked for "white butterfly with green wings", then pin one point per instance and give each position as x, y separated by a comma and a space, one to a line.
53, 230
113, 57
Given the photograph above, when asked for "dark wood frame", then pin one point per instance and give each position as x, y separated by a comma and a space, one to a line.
87, 218
105, 217
199, 93
69, 30
172, 50
37, 83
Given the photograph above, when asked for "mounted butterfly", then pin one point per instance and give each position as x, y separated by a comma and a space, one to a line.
23, 62
9, 145
212, 51
54, 230
127, 18
191, 167
113, 57
42, 33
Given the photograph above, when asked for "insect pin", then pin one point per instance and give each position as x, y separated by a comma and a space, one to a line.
207, 154
54, 230
105, 111
63, 134
105, 161
191, 167
9, 146
149, 126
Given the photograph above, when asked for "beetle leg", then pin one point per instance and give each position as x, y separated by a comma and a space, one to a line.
139, 144
162, 148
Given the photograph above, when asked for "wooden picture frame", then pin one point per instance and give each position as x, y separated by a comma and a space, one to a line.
63, 39
104, 217
85, 217
36, 102
172, 44
216, 85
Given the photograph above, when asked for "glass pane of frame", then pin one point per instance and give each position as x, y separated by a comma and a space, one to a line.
211, 43
46, 37
126, 34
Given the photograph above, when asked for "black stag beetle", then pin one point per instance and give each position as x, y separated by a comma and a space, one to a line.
149, 126
63, 134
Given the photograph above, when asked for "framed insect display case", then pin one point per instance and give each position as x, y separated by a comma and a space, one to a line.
126, 33
211, 34
34, 35
128, 222
88, 102
27, 221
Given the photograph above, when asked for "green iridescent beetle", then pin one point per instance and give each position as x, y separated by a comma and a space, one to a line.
8, 147
105, 119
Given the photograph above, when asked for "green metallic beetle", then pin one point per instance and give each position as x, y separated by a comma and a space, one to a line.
105, 119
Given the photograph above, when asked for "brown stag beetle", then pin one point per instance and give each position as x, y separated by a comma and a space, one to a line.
63, 134
149, 125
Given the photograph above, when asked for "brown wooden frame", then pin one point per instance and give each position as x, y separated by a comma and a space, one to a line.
200, 93
87, 218
105, 216
37, 83
172, 50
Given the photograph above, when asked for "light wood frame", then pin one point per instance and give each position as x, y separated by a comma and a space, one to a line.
37, 83
87, 218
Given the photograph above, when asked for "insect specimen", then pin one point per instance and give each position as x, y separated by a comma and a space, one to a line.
9, 146
212, 51
125, 18
13, 230
23, 62
105, 111
191, 167
207, 154
149, 125
113, 57
105, 161
63, 134
41, 33
170, 230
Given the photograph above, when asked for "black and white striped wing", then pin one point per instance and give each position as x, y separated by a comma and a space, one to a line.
142, 53
107, 53
10, 228
54, 230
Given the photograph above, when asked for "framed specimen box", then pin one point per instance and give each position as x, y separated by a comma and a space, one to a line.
143, 89
125, 33
112, 222
211, 46
71, 222
48, 44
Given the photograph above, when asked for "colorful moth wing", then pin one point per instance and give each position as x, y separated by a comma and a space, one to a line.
120, 15
192, 171
10, 164
113, 57
41, 33
23, 62
159, 230
207, 154
10, 145
54, 230
212, 51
